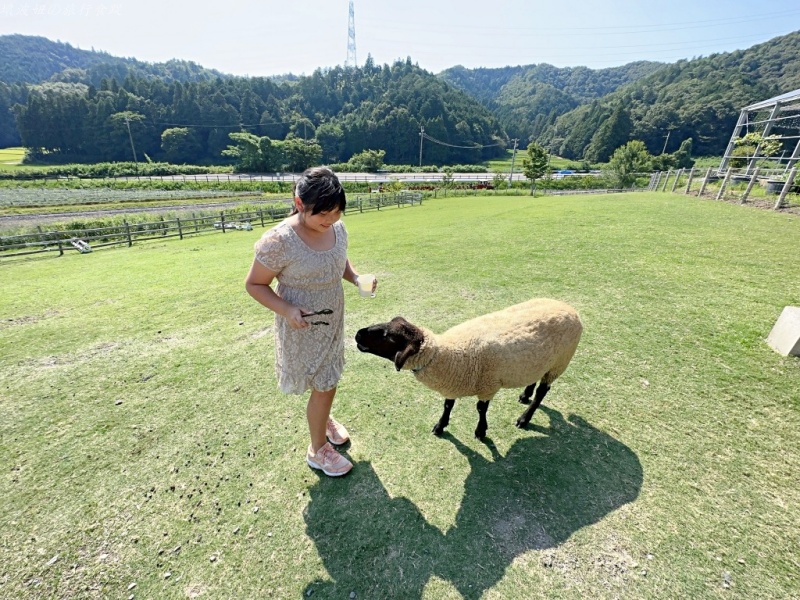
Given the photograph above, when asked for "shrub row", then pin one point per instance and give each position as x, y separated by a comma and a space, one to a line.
110, 169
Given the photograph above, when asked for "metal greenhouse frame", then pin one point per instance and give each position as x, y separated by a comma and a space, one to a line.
777, 120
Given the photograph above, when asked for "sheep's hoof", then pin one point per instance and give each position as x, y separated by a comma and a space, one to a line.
437, 430
480, 435
523, 399
522, 423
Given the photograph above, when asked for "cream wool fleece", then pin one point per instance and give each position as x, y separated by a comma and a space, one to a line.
510, 348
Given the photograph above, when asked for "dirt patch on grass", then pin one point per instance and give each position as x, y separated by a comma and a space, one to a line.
27, 319
759, 203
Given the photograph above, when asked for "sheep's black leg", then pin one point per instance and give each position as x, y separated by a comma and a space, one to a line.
444, 420
480, 431
525, 396
525, 418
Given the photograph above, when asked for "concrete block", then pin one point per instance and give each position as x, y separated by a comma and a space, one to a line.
785, 335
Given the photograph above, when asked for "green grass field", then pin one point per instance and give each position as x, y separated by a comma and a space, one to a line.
145, 449
11, 157
503, 164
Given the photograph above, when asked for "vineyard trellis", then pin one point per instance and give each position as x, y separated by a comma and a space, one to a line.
767, 134
759, 186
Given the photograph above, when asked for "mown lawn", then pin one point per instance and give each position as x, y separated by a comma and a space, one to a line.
11, 157
145, 450
503, 164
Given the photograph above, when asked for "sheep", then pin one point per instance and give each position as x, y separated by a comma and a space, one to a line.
514, 347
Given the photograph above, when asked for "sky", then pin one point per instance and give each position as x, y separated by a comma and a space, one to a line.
269, 37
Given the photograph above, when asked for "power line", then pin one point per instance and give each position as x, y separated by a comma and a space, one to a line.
554, 31
441, 143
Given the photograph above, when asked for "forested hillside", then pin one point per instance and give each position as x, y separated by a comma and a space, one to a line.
75, 105
528, 99
32, 59
699, 99
345, 111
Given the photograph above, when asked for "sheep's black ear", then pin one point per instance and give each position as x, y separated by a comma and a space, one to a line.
401, 357
413, 337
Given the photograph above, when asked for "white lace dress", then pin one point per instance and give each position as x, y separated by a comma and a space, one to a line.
310, 358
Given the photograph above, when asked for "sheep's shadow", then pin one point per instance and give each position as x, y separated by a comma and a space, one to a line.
535, 497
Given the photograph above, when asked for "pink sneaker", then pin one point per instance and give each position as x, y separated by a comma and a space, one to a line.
337, 434
329, 461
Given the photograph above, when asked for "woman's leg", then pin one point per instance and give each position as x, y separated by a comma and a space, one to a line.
317, 413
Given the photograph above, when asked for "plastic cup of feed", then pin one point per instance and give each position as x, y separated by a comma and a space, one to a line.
365, 283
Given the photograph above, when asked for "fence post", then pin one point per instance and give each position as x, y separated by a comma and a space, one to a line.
196, 227
180, 231
222, 220
657, 181
128, 232
786, 187
705, 182
675, 183
261, 215
724, 183
666, 181
163, 226
749, 186
689, 183
60, 248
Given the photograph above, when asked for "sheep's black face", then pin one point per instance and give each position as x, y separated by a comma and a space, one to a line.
396, 340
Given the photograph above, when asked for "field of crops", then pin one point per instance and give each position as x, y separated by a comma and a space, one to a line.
45, 197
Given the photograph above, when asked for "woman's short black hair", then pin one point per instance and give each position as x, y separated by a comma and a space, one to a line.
320, 190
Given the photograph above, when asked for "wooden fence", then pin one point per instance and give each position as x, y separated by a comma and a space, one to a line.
738, 185
87, 240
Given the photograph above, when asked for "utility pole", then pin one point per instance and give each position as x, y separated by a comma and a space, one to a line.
664, 150
128, 123
513, 156
421, 134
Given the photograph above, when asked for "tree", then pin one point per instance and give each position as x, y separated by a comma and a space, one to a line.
247, 151
331, 138
298, 155
499, 179
612, 134
180, 145
126, 126
535, 164
627, 161
447, 177
369, 161
683, 155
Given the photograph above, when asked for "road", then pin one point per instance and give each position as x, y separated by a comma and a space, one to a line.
291, 177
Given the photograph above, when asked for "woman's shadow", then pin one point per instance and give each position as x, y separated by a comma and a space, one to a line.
535, 497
